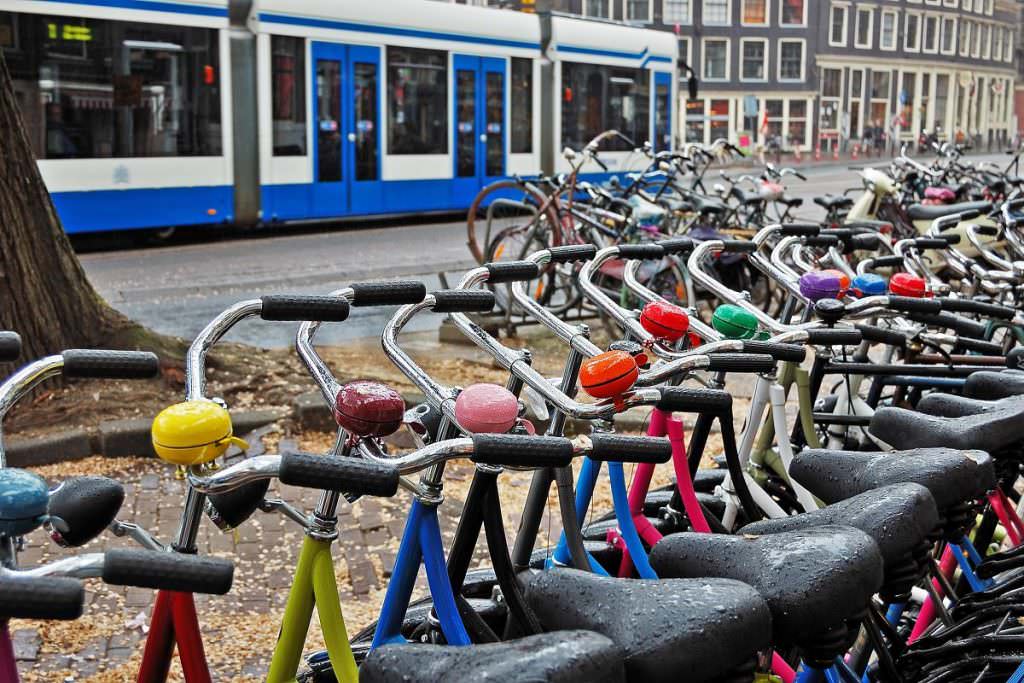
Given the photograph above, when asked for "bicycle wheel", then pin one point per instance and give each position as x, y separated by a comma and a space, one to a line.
555, 288
500, 205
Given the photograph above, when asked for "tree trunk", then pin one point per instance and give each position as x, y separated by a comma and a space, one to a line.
45, 295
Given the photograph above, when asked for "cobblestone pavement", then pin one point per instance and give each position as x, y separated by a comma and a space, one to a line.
239, 629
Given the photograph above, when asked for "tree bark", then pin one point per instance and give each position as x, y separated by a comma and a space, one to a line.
45, 295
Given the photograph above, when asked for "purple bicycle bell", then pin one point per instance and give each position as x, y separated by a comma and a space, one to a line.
817, 285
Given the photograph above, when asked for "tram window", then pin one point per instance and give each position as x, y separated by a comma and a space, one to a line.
93, 88
288, 75
417, 101
598, 98
522, 105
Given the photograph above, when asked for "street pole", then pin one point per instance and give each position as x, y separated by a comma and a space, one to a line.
547, 88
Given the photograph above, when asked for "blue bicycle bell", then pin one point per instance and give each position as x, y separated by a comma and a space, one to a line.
23, 501
869, 284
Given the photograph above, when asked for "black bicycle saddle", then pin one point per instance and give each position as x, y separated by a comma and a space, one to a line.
899, 518
817, 582
671, 630
990, 384
991, 432
559, 657
951, 405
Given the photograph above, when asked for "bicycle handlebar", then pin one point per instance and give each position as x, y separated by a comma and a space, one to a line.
10, 347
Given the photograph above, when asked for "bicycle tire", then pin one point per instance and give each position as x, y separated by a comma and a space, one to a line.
478, 243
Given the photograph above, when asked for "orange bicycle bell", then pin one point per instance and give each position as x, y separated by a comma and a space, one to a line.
193, 433
609, 374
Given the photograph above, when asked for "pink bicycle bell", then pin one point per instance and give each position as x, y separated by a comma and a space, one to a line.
486, 409
818, 285
369, 409
665, 321
905, 284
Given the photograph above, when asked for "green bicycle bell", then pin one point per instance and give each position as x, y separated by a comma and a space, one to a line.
734, 322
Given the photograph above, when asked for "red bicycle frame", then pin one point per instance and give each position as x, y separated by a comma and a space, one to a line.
174, 622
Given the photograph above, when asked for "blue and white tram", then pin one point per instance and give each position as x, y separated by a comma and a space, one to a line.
142, 115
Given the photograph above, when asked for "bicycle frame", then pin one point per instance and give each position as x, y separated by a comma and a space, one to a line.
8, 664
174, 623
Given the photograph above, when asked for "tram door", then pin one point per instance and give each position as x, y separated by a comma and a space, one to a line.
346, 109
662, 110
479, 106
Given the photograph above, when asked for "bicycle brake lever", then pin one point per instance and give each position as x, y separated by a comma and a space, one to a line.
287, 509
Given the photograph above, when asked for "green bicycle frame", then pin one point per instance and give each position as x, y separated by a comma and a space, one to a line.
314, 586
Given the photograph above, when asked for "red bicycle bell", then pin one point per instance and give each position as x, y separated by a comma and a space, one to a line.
609, 374
369, 409
665, 321
905, 284
486, 409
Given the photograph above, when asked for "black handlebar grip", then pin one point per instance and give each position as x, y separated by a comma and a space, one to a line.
833, 336
789, 353
841, 233
167, 571
110, 364
637, 449
513, 450
686, 400
350, 475
877, 335
650, 250
887, 262
987, 230
741, 362
396, 293
571, 253
960, 325
86, 505
979, 346
863, 241
914, 305
10, 346
981, 308
463, 301
677, 245
970, 214
800, 230
511, 271
952, 238
43, 597
297, 308
931, 243
821, 241
739, 247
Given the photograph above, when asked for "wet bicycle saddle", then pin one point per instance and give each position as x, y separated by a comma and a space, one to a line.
955, 478
950, 405
559, 657
817, 582
671, 629
929, 212
991, 432
904, 546
990, 384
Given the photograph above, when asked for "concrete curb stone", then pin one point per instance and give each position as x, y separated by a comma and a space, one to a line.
46, 450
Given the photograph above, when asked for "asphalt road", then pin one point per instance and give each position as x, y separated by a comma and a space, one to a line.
178, 289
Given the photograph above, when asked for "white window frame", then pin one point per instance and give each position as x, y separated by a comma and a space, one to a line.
871, 28
767, 15
894, 13
947, 20
763, 41
625, 12
611, 10
965, 37
845, 7
728, 15
916, 47
803, 60
803, 21
986, 42
938, 33
728, 58
687, 21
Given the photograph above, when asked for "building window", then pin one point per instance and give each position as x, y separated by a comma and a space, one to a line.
792, 13
1009, 45
986, 41
521, 95
716, 12
716, 60
754, 66
880, 84
931, 34
912, 32
596, 8
638, 10
887, 36
797, 122
837, 25
755, 13
95, 88
597, 98
831, 92
997, 42
965, 38
865, 26
418, 101
948, 35
677, 12
791, 60
684, 51
695, 121
288, 94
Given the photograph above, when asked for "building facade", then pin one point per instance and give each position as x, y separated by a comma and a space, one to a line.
827, 73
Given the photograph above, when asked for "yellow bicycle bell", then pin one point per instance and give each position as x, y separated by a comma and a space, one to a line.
193, 433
